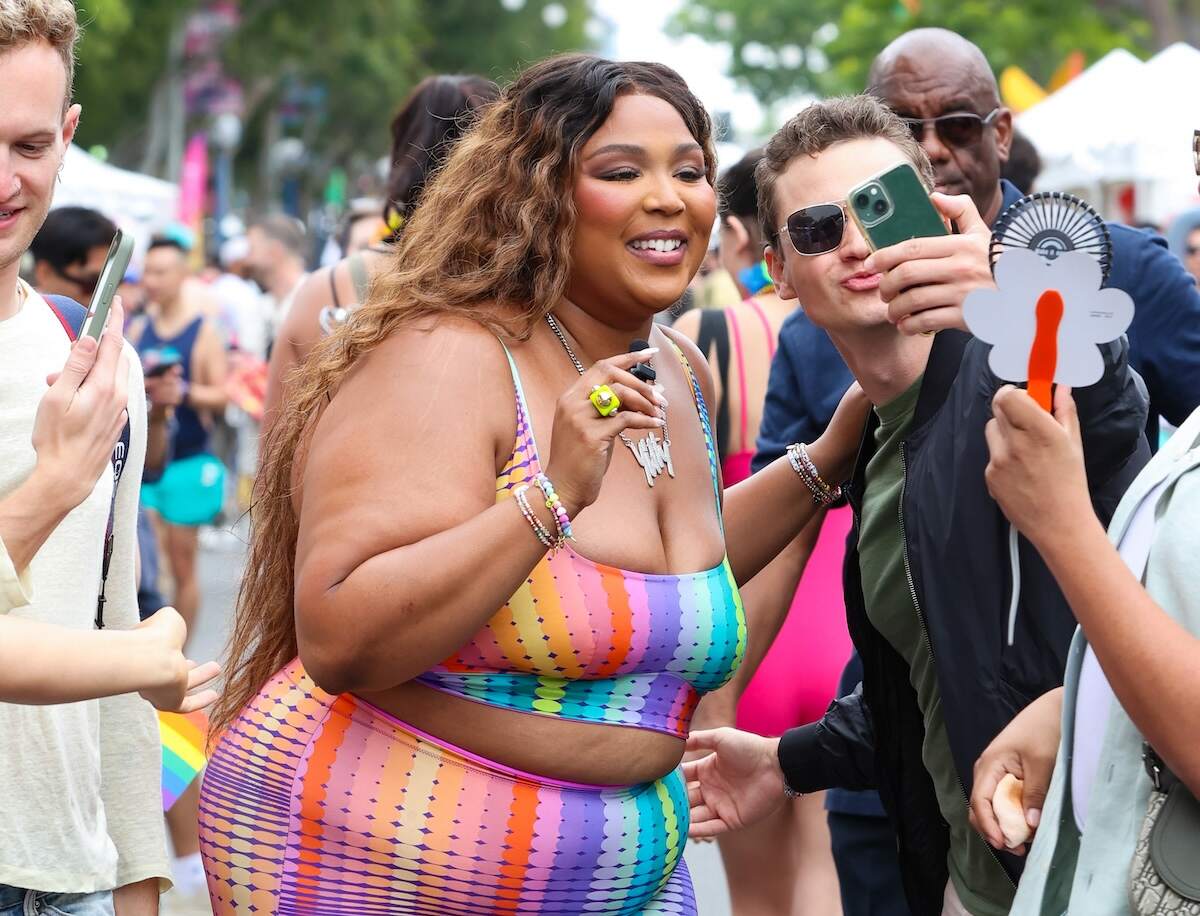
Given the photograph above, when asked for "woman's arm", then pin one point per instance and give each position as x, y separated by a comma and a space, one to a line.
765, 512
299, 333
403, 551
1151, 661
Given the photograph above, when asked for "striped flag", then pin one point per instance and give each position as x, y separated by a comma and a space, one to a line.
183, 738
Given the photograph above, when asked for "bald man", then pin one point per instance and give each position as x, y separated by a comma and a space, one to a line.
944, 87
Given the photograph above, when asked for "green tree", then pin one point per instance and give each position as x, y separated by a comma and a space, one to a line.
781, 47
331, 73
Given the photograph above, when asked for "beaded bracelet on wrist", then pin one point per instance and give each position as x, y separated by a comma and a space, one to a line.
540, 531
822, 493
561, 520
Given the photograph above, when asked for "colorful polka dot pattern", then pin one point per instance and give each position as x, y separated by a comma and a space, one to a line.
592, 643
314, 804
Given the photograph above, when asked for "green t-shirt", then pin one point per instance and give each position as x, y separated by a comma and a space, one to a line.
981, 883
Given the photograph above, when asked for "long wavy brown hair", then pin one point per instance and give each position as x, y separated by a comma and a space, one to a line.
491, 240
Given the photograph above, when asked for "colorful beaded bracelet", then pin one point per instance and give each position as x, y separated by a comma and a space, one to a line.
554, 504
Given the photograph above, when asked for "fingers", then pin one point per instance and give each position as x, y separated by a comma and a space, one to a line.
198, 701
200, 675
706, 824
1066, 414
918, 249
983, 816
960, 210
111, 342
704, 740
79, 364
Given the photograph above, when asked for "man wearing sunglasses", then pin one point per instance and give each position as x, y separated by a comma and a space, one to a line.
69, 252
927, 574
943, 86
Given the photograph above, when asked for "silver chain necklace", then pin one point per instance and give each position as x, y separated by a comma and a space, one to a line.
652, 456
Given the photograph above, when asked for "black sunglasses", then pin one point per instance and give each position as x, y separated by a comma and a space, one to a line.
817, 229
957, 130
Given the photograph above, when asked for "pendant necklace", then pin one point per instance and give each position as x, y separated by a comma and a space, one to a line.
653, 456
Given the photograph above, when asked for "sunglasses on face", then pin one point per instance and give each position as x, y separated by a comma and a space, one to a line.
956, 130
817, 229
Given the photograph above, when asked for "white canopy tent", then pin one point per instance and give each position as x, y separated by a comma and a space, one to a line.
137, 203
1121, 123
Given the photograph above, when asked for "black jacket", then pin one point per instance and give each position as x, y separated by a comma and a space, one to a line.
956, 555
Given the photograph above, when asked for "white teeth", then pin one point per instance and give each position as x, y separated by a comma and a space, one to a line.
657, 244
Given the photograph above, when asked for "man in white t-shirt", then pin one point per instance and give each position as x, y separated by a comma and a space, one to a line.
80, 796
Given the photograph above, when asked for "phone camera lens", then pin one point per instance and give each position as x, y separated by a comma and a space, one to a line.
880, 207
862, 201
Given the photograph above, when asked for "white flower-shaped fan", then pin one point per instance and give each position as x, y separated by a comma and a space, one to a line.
1045, 318
1044, 321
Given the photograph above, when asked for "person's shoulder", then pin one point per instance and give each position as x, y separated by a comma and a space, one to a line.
1132, 248
687, 345
445, 347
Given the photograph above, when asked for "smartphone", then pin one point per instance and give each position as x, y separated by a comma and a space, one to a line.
893, 207
111, 275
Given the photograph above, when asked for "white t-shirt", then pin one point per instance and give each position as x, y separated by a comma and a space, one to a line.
80, 783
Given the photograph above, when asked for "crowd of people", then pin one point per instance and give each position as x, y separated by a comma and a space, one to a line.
548, 573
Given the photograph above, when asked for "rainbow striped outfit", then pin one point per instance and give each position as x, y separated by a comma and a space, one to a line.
321, 804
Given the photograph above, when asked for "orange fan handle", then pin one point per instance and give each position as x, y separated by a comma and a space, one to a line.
1043, 356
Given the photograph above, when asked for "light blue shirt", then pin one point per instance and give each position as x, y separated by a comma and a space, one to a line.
1089, 875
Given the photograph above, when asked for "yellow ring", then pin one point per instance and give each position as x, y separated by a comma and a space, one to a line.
605, 400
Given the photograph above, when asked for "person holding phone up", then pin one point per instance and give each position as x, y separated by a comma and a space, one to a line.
926, 573
83, 829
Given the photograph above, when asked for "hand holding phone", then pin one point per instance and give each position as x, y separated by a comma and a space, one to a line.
115, 265
926, 273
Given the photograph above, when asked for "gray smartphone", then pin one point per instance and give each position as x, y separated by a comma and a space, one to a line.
111, 275
893, 207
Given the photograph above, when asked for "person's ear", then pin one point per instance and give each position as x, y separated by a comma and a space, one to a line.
775, 265
70, 124
1003, 125
741, 235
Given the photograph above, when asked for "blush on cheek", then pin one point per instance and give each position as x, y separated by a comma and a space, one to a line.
603, 205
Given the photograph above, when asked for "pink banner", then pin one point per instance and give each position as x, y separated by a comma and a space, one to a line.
193, 182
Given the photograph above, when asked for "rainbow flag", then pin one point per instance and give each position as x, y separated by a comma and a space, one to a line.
183, 738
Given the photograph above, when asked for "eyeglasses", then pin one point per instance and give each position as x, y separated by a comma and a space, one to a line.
957, 130
817, 229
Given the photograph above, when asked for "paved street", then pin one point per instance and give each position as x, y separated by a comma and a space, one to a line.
222, 556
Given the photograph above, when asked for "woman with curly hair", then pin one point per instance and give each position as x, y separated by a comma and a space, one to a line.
490, 578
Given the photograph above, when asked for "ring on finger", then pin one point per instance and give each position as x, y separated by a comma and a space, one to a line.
605, 400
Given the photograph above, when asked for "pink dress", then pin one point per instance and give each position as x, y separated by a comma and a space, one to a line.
799, 675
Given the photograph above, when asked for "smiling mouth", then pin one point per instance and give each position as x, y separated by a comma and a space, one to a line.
663, 245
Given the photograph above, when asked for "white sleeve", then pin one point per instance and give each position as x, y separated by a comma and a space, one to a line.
16, 589
130, 747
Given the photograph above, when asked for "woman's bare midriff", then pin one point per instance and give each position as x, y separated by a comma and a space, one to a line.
572, 751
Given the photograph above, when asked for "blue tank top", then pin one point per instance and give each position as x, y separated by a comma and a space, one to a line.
191, 436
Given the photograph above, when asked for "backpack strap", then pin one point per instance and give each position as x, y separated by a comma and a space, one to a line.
71, 316
715, 330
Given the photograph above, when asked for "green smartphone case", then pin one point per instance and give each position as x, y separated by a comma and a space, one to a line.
911, 213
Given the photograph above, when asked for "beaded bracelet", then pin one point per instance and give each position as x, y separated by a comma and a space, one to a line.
554, 504
540, 530
822, 493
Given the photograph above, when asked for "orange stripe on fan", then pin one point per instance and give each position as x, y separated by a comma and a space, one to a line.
1043, 356
312, 792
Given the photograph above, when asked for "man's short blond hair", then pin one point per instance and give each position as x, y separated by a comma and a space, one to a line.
24, 22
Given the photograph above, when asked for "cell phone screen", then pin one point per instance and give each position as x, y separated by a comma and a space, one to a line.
111, 275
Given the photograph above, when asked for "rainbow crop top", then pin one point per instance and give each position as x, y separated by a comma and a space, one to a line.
592, 643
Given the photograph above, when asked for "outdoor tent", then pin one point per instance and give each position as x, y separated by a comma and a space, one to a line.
1123, 123
137, 203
